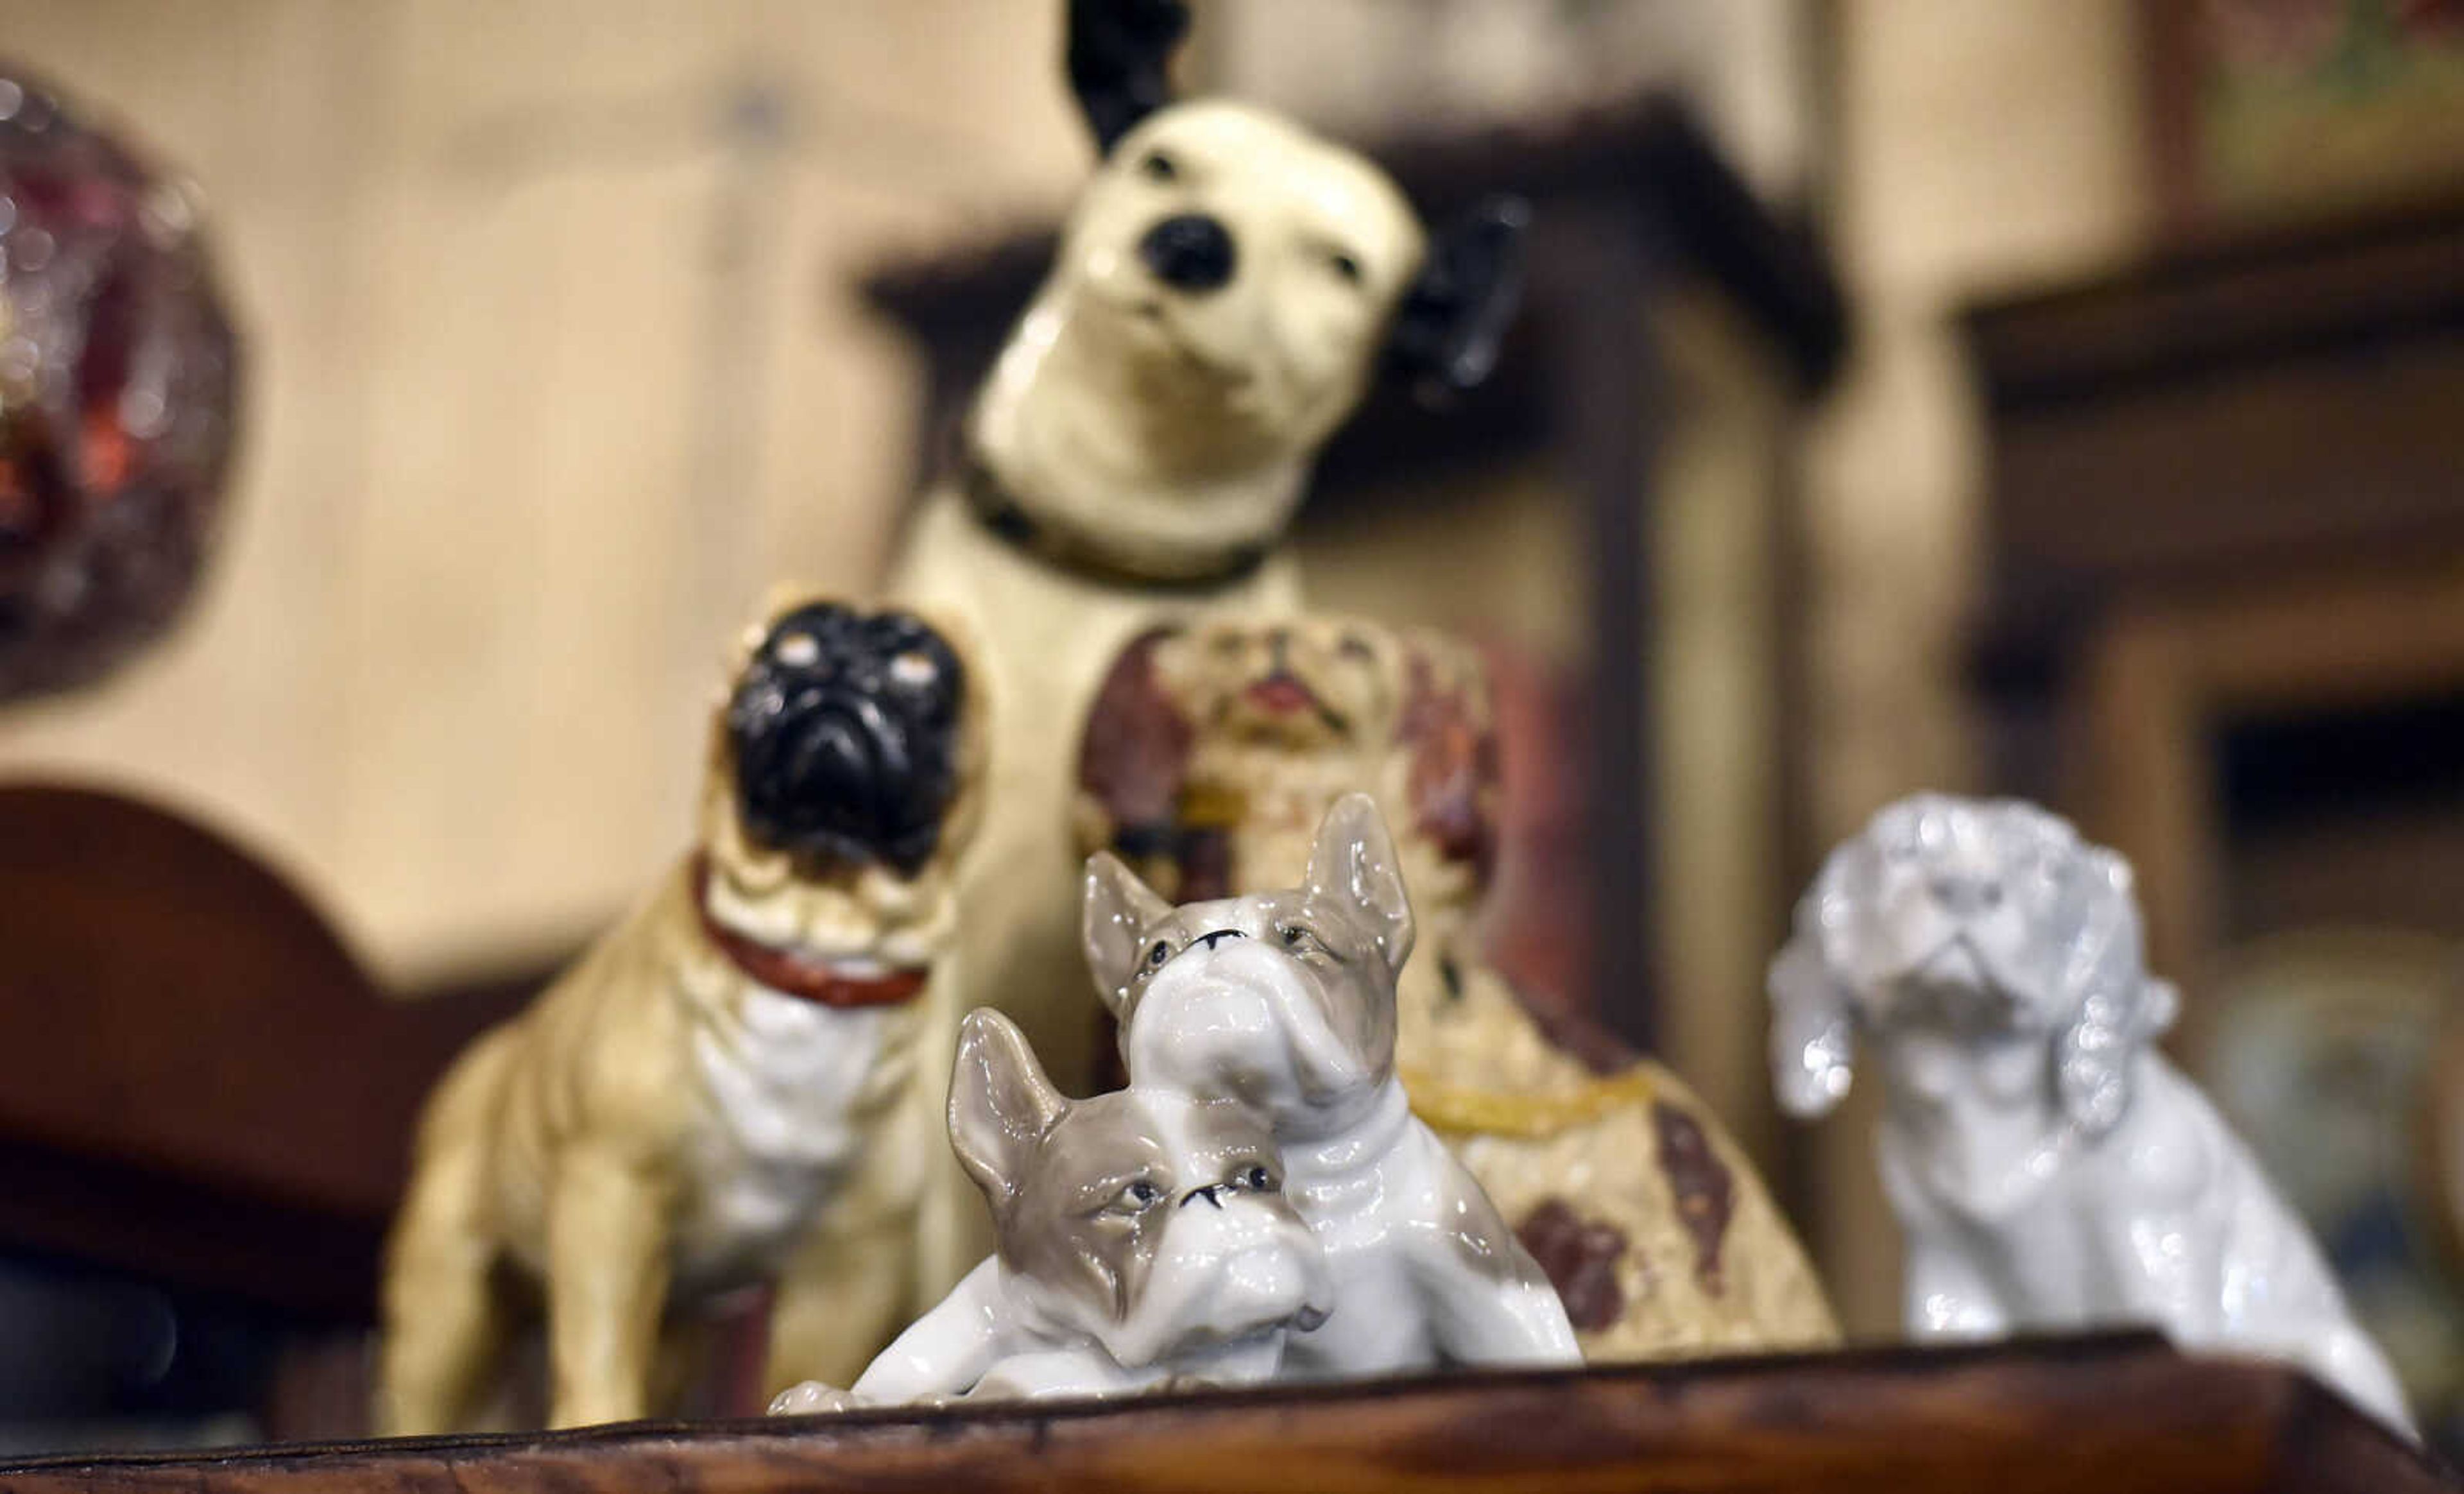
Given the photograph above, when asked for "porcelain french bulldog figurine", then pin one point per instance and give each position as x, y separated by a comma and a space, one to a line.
1144, 1241
1211, 756
1224, 291
727, 1089
2049, 1167
1287, 1000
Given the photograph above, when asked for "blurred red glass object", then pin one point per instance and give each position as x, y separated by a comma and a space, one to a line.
118, 388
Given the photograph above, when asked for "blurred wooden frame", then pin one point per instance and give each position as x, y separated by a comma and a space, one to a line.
200, 1086
2222, 490
2162, 681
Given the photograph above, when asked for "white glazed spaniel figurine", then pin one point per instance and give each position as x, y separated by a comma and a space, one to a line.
1288, 998
2049, 1167
1145, 1242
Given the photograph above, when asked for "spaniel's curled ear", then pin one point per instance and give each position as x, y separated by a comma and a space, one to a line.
2122, 1010
1812, 1042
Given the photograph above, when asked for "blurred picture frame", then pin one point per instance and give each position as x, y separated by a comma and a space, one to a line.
2265, 110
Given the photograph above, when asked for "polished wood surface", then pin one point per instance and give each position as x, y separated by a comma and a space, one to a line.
2118, 1415
199, 1083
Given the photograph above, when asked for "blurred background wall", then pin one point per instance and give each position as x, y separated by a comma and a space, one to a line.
557, 367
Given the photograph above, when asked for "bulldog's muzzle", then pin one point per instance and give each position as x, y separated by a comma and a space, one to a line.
846, 734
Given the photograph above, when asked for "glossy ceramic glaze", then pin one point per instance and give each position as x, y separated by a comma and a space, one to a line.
1212, 755
1227, 287
2049, 1167
1288, 999
731, 1085
1145, 1240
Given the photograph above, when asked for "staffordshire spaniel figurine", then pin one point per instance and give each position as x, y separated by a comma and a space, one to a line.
2049, 1168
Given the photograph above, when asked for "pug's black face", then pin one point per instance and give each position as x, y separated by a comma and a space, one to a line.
845, 729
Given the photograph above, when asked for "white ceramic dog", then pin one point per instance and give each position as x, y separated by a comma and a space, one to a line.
1225, 291
2049, 1168
1287, 1000
1145, 1241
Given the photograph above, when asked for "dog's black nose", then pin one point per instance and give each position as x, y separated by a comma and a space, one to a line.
1189, 252
1210, 940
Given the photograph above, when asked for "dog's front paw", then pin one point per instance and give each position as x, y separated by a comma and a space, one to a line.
811, 1399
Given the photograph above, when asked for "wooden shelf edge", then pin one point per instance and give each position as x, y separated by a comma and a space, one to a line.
2111, 1413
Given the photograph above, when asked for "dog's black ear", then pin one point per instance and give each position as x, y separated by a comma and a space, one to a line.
1119, 51
1002, 1106
1452, 319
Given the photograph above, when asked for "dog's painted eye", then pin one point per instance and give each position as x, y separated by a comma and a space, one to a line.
1159, 954
1257, 1179
1136, 1198
1300, 937
1159, 167
1356, 646
1346, 268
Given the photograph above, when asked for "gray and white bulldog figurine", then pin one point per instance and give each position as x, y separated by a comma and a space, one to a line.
2049, 1168
1226, 289
1287, 1000
1145, 1242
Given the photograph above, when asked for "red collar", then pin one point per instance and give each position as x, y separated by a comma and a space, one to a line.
800, 975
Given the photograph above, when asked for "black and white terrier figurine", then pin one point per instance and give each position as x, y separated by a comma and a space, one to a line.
1226, 289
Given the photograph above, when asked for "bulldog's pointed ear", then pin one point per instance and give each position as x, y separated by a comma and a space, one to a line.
1453, 319
1113, 923
1353, 862
1000, 1104
1120, 54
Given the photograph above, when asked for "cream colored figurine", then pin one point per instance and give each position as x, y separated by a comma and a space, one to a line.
1224, 291
1210, 758
729, 1086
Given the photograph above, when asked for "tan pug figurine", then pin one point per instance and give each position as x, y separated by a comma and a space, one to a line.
728, 1087
1209, 758
1224, 291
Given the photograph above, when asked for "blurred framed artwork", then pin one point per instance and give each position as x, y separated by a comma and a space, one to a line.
2267, 109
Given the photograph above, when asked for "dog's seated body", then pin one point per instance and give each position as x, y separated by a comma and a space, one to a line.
1144, 1242
1224, 291
1287, 1000
1215, 751
724, 1090
2049, 1168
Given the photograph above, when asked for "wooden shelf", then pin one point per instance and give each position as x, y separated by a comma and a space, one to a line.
2110, 1414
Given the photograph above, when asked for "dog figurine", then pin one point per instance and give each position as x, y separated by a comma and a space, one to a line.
724, 1090
1225, 291
1213, 753
1145, 1242
2049, 1167
1287, 1000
